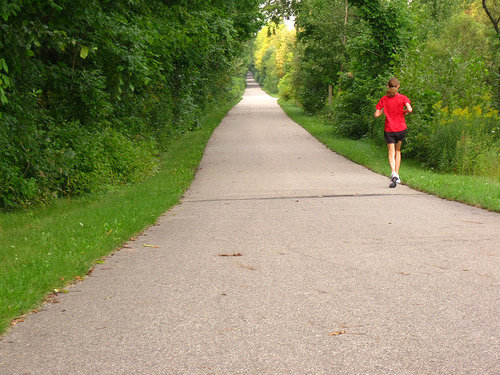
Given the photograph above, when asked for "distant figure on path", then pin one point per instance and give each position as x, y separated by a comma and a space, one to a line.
395, 106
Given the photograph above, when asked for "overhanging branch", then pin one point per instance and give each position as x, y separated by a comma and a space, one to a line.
490, 16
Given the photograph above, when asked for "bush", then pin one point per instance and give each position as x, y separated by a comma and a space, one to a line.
67, 159
354, 106
464, 141
285, 87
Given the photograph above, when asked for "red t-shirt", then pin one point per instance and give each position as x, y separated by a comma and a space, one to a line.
394, 112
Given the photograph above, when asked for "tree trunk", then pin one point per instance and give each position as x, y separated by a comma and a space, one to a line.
491, 17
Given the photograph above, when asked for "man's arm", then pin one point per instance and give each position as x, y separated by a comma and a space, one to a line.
378, 112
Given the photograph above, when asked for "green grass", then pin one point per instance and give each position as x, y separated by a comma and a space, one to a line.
478, 191
46, 248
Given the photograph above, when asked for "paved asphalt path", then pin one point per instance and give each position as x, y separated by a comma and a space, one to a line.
338, 274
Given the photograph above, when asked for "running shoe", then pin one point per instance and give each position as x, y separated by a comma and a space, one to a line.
393, 182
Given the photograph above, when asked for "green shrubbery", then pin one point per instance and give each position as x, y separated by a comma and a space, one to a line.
463, 141
92, 91
69, 159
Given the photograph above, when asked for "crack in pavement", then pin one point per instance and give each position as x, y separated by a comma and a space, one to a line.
296, 197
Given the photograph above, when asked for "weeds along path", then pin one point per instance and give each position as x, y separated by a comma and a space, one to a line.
283, 258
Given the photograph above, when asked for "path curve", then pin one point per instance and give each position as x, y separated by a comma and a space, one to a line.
335, 273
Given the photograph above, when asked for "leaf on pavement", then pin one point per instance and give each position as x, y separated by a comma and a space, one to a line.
336, 333
57, 291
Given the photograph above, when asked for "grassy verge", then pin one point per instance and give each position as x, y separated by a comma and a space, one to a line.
478, 191
48, 247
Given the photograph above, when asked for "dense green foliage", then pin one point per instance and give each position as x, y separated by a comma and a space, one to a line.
92, 91
445, 53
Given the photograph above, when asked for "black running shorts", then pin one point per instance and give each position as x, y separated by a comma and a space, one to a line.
395, 137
